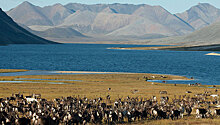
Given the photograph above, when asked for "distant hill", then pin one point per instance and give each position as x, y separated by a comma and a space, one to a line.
12, 33
59, 33
56, 13
119, 8
109, 10
204, 36
208, 35
28, 14
80, 21
55, 32
154, 20
200, 15
113, 21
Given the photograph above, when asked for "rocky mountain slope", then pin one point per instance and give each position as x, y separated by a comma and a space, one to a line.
208, 35
200, 15
12, 33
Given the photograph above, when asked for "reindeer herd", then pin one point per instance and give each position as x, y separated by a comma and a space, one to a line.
34, 110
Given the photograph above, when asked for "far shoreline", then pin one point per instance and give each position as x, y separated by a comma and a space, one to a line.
215, 47
171, 76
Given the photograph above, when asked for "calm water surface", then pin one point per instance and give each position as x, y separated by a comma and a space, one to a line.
93, 57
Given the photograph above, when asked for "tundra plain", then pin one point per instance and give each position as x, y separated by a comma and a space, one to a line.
97, 85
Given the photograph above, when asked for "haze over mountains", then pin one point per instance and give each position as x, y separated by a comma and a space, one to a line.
11, 33
112, 21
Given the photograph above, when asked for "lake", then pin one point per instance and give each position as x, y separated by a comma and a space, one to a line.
96, 57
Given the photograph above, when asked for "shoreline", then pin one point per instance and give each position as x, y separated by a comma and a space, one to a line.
175, 77
143, 48
12, 70
122, 73
91, 72
214, 47
213, 54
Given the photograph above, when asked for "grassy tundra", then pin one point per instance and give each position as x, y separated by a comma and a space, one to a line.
92, 85
12, 70
96, 85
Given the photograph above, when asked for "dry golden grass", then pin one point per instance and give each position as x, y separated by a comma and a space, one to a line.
12, 70
185, 121
96, 85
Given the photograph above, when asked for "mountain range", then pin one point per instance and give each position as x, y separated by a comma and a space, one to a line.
12, 33
100, 22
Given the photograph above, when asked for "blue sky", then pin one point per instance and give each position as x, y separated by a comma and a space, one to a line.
174, 6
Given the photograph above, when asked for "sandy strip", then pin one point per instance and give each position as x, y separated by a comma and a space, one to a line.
213, 54
182, 79
90, 72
